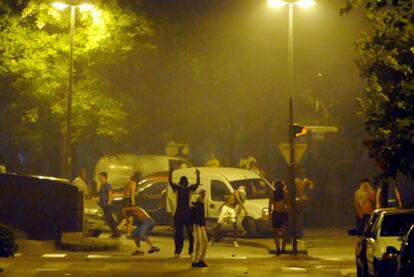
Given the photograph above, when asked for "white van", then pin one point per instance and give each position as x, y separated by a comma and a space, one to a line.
219, 183
121, 167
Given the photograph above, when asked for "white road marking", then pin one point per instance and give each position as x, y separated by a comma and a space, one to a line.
58, 256
98, 256
293, 269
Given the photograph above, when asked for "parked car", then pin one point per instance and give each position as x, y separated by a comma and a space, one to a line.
405, 256
219, 183
94, 218
361, 245
386, 232
121, 167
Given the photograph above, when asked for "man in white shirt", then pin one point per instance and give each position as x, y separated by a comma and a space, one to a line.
80, 182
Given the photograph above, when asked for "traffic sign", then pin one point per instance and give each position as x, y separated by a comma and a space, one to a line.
300, 149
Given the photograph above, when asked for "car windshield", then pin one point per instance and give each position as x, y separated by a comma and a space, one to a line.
395, 225
255, 188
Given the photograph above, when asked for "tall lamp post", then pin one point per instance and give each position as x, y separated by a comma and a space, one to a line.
291, 131
66, 158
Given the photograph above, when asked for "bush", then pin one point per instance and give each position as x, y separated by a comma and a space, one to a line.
8, 246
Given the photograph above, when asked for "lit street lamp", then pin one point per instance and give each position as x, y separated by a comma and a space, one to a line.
291, 131
66, 160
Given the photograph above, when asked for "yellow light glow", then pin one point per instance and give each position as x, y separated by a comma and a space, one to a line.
85, 7
276, 3
305, 3
60, 5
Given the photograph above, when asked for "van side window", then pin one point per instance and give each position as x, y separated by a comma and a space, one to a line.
219, 191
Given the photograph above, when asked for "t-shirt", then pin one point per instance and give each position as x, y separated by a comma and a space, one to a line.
183, 198
104, 194
197, 213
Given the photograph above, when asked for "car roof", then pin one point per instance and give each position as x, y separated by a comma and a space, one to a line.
230, 173
398, 211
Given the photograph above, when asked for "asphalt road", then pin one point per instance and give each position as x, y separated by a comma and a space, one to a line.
330, 254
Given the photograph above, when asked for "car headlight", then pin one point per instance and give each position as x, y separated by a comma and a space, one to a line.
265, 213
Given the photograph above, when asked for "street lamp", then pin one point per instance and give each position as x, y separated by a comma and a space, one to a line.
291, 131
66, 163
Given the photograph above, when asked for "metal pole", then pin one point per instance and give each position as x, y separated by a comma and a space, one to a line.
68, 143
291, 131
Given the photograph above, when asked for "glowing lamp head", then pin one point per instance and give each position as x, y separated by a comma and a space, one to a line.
305, 3
85, 7
276, 3
60, 5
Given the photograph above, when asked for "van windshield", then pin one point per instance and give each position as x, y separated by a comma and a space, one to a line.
255, 188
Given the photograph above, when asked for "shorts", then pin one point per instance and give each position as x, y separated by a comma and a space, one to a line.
143, 229
227, 215
279, 219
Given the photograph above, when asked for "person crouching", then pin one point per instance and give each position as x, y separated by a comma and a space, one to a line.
199, 226
144, 224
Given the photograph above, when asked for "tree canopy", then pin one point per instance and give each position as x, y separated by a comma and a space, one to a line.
34, 68
386, 57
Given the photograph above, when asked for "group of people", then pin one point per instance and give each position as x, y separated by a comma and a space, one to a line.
248, 162
366, 200
190, 215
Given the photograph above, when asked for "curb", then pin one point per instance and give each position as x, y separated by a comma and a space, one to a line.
85, 247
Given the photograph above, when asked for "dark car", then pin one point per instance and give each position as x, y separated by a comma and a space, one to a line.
405, 257
361, 245
151, 196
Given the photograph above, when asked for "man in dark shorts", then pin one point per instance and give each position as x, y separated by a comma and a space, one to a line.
182, 214
144, 224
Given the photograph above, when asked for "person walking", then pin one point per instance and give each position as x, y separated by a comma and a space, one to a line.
199, 225
364, 204
128, 200
228, 214
279, 206
182, 213
144, 224
105, 201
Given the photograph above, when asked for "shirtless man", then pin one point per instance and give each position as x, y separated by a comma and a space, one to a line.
144, 224
228, 213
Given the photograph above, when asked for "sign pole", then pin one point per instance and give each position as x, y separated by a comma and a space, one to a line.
291, 169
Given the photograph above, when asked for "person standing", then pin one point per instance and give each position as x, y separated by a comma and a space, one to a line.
364, 204
128, 200
304, 188
199, 225
245, 161
394, 196
144, 224
105, 201
80, 182
182, 213
228, 214
212, 161
279, 206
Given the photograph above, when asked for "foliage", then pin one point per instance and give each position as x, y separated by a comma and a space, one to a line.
8, 246
34, 62
386, 57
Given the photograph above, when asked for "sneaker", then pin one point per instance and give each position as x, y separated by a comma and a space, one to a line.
138, 253
153, 249
235, 244
176, 256
194, 264
202, 264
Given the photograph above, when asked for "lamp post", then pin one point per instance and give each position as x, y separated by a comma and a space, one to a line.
66, 159
291, 131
